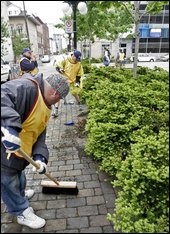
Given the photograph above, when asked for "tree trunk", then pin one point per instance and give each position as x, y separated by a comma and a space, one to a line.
137, 35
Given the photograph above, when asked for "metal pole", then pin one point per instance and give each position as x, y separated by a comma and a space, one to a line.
26, 24
74, 25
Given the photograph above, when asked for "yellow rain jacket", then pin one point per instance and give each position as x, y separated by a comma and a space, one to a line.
71, 70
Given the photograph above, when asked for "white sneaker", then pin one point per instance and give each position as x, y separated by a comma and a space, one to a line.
55, 112
28, 218
29, 193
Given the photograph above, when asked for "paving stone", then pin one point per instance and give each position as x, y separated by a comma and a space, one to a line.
66, 167
38, 205
45, 197
87, 210
102, 209
108, 229
98, 191
79, 223
56, 204
6, 218
69, 231
107, 187
11, 228
55, 225
92, 184
99, 220
47, 214
73, 173
86, 192
110, 200
83, 178
91, 230
76, 161
76, 202
95, 200
66, 213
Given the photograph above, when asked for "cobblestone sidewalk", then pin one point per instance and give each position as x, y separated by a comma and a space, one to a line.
84, 213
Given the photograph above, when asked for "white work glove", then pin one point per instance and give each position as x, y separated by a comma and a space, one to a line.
42, 163
61, 70
11, 139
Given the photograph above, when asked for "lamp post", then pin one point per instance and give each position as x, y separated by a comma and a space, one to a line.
70, 6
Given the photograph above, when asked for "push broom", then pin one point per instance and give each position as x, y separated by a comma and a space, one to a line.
53, 186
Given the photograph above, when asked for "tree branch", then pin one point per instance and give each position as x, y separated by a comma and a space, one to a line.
130, 13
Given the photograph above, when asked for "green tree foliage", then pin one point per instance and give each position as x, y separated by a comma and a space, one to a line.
19, 44
4, 35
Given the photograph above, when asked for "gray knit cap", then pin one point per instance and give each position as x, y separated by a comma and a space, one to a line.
59, 83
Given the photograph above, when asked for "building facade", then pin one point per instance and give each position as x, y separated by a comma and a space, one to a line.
154, 32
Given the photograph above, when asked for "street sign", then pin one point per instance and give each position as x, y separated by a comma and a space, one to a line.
68, 26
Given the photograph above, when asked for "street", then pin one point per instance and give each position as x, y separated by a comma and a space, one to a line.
48, 68
164, 65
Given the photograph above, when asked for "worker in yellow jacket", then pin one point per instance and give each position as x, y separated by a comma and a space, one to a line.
71, 67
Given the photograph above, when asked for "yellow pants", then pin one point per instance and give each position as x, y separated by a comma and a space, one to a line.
74, 89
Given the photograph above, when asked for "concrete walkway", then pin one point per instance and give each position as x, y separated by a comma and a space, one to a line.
84, 213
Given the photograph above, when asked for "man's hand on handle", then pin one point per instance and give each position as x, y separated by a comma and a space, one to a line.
42, 163
11, 139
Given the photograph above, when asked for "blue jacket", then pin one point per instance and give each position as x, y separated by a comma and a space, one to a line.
27, 66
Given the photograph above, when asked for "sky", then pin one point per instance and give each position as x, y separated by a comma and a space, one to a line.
48, 11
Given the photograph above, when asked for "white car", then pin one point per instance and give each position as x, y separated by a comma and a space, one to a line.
144, 58
164, 58
45, 59
5, 71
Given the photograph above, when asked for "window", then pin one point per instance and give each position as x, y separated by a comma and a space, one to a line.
166, 19
165, 40
144, 32
122, 45
159, 19
11, 28
152, 50
20, 29
142, 50
10, 12
164, 50
167, 7
142, 6
156, 19
143, 40
155, 32
144, 19
154, 39
165, 32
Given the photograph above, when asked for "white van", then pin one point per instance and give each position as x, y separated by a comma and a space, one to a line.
45, 59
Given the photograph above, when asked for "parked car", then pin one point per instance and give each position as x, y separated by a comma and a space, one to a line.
164, 58
5, 71
144, 58
45, 59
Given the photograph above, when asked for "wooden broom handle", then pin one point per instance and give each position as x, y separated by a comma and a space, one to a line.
30, 160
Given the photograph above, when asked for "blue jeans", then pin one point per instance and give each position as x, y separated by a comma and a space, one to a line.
13, 192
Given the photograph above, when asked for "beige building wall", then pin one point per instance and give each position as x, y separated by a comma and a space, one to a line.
31, 28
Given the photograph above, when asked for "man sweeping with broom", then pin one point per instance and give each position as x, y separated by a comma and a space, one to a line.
25, 111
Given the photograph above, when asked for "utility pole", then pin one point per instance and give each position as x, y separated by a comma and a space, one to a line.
26, 23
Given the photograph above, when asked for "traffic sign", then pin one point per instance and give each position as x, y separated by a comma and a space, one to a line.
68, 26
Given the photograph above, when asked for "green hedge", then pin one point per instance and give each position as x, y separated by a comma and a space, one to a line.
128, 128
